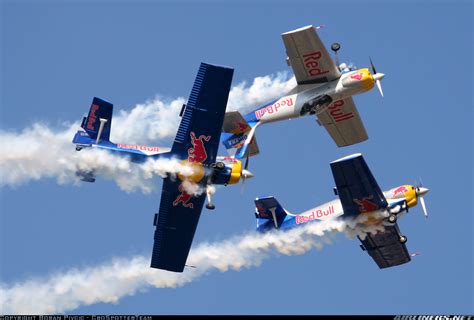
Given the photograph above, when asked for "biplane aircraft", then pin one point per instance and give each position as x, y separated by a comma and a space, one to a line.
359, 195
322, 89
195, 145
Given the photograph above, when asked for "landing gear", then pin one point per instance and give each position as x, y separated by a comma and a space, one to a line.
403, 239
218, 165
78, 148
316, 105
392, 218
209, 204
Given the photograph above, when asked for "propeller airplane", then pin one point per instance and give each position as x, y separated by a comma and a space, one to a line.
195, 145
360, 198
323, 89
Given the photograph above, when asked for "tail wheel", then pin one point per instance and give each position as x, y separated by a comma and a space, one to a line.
392, 218
210, 206
78, 148
403, 239
220, 165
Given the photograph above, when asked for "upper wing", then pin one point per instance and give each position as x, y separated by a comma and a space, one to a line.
197, 141
175, 224
200, 129
385, 247
343, 123
308, 57
356, 186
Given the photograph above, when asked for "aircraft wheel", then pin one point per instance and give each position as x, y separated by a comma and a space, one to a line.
210, 206
220, 165
392, 218
403, 239
78, 148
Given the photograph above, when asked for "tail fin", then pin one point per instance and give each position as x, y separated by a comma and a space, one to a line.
269, 213
236, 132
100, 112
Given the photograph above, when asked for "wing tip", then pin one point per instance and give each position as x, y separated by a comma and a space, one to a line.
349, 157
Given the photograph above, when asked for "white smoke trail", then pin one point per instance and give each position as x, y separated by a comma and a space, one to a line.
125, 276
40, 152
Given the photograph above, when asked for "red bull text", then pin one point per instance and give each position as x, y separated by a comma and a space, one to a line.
92, 117
316, 215
274, 108
311, 64
335, 110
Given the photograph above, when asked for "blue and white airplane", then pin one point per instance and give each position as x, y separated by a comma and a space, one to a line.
195, 145
359, 195
323, 89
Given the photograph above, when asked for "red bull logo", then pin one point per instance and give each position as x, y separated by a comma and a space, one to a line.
400, 190
92, 117
311, 64
183, 198
275, 107
365, 205
357, 76
136, 147
335, 110
196, 154
316, 215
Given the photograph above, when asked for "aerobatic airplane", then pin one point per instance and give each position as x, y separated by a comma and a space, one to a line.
322, 90
196, 145
360, 198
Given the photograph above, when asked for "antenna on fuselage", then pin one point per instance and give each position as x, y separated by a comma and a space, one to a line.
335, 47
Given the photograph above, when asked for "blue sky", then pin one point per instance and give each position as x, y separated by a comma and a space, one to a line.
57, 56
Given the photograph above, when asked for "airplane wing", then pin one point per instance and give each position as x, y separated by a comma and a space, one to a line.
343, 123
308, 57
385, 247
356, 186
197, 141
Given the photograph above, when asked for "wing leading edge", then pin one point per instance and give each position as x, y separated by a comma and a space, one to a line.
197, 141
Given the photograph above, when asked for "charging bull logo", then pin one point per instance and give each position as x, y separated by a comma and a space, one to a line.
365, 205
183, 198
357, 76
196, 154
400, 190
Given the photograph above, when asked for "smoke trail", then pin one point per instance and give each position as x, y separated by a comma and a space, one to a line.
125, 276
40, 152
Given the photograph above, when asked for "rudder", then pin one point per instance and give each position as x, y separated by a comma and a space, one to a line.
269, 210
100, 109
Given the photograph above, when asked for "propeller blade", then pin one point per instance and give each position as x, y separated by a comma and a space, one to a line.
423, 205
379, 85
372, 65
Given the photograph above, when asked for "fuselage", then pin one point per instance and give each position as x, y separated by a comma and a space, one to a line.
313, 98
399, 199
224, 171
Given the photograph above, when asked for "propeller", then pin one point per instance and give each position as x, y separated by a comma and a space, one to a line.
245, 174
420, 192
377, 77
